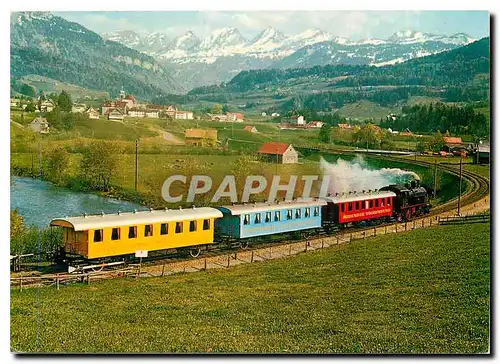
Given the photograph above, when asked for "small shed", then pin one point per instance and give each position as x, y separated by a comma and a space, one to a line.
40, 125
251, 129
281, 152
200, 137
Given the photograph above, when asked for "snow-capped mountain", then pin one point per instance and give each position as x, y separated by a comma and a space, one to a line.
270, 38
225, 52
222, 39
411, 36
128, 38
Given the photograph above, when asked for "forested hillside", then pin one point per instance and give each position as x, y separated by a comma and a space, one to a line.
47, 45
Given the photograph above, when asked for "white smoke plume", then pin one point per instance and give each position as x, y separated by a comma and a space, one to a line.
354, 175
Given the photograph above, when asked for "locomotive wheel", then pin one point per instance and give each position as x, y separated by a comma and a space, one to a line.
195, 252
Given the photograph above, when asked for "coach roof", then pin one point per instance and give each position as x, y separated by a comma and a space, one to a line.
264, 206
86, 222
358, 197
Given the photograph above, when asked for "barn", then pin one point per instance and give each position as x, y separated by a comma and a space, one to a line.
281, 152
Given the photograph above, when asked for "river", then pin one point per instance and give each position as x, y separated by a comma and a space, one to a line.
38, 202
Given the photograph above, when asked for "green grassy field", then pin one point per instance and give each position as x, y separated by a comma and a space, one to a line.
415, 292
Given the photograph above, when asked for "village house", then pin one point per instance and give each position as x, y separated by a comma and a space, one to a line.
46, 106
112, 105
296, 119
78, 108
230, 116
40, 125
234, 116
251, 129
115, 114
170, 110
200, 137
345, 126
282, 153
183, 115
14, 102
274, 114
92, 113
315, 124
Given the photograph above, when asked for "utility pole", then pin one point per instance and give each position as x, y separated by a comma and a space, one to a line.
136, 164
40, 172
232, 129
460, 187
435, 176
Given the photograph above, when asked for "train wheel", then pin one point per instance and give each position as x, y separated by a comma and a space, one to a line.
195, 252
244, 245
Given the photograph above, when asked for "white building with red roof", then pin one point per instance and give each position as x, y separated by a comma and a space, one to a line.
283, 153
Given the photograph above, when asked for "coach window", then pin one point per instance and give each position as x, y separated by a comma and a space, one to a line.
307, 212
178, 227
371, 204
192, 225
257, 218
115, 234
132, 232
382, 202
148, 230
349, 208
388, 201
316, 211
289, 214
206, 224
277, 216
298, 213
342, 206
246, 220
376, 202
97, 236
164, 229
268, 217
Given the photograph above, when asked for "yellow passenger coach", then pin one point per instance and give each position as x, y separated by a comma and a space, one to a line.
108, 235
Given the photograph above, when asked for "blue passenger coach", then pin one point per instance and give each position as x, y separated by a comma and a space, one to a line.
252, 220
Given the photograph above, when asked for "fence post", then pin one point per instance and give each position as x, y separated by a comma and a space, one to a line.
57, 281
322, 243
290, 249
422, 222
251, 259
228, 260
374, 231
306, 247
88, 279
21, 283
413, 224
205, 263
406, 227
163, 269
396, 227
350, 237
270, 252
385, 230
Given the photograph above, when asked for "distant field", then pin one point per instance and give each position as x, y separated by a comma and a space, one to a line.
363, 110
425, 291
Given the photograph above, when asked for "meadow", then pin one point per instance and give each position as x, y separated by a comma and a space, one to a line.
414, 292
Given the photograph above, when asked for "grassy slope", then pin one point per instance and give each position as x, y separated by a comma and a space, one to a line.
412, 292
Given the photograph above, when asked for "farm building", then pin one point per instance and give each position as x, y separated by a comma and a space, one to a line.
92, 113
251, 129
115, 114
200, 137
281, 152
183, 115
296, 119
230, 116
40, 125
482, 153
452, 144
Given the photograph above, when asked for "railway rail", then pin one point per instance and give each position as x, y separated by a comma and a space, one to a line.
475, 196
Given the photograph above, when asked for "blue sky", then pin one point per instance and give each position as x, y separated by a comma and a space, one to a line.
352, 24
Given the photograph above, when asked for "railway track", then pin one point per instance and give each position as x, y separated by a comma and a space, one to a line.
478, 188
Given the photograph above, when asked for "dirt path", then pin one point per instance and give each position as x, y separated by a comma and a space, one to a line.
168, 137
